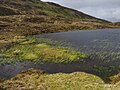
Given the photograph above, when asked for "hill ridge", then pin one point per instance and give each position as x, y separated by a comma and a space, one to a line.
37, 7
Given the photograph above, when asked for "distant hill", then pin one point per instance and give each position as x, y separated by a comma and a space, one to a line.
37, 7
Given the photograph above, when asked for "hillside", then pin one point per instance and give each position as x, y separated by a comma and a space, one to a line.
37, 7
30, 17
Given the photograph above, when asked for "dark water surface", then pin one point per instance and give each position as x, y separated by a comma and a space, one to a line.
92, 39
102, 45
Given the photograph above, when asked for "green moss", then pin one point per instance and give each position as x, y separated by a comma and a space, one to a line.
42, 52
30, 56
43, 45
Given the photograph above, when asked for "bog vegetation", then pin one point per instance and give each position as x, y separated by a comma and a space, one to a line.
39, 80
21, 18
32, 50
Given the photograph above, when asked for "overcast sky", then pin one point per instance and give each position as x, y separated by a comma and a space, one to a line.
106, 9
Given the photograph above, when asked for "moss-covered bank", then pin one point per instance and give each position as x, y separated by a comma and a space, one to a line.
36, 80
39, 80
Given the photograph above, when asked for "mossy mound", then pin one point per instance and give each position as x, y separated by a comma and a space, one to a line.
31, 50
35, 80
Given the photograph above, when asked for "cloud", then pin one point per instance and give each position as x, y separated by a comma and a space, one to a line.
105, 9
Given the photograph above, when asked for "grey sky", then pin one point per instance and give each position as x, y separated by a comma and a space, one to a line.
106, 9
